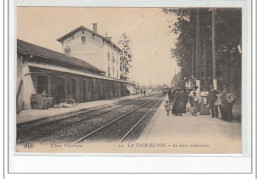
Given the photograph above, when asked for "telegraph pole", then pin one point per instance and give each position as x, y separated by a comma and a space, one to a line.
192, 58
205, 63
175, 76
214, 49
198, 50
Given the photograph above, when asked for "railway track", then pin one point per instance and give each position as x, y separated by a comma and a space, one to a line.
121, 128
34, 132
42, 122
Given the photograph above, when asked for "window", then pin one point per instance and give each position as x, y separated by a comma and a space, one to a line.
67, 49
83, 39
108, 56
113, 72
117, 73
113, 57
108, 70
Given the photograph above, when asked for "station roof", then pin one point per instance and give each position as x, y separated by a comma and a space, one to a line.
32, 49
82, 28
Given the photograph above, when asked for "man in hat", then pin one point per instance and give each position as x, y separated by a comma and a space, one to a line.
212, 99
224, 104
230, 98
192, 81
193, 89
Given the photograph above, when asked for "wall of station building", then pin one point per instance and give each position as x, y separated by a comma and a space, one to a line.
90, 51
62, 86
111, 61
94, 51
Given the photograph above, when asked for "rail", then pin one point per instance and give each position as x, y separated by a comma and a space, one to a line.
113, 121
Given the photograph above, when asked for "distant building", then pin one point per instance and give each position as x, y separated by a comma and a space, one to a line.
88, 70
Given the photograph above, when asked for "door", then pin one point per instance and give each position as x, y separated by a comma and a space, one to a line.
84, 91
42, 84
60, 89
73, 88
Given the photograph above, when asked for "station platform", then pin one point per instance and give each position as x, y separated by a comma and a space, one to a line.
36, 114
193, 134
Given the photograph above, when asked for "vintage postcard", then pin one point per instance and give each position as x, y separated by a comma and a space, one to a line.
129, 80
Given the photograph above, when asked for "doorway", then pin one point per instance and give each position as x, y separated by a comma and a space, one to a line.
73, 88
84, 91
42, 84
60, 89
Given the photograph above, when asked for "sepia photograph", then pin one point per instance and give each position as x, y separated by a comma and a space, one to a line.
129, 80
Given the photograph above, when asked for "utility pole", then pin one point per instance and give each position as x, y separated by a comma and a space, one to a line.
205, 63
198, 50
214, 49
192, 58
175, 76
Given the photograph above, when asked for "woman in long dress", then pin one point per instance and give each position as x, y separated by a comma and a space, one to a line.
184, 100
171, 92
204, 110
176, 104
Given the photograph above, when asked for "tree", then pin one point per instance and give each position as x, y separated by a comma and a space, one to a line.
228, 36
126, 54
185, 27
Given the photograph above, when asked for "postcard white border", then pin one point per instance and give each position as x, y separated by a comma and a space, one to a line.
112, 163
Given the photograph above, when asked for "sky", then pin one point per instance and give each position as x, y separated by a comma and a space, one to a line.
147, 28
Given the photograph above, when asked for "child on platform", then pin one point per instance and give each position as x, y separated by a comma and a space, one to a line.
168, 107
193, 103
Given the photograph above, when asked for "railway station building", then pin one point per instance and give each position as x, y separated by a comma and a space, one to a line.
88, 70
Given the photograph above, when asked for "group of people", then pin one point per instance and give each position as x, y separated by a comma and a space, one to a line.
178, 99
187, 82
208, 101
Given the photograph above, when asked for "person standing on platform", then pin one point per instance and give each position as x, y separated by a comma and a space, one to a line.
192, 81
183, 100
170, 94
187, 83
204, 110
182, 83
194, 88
212, 100
193, 100
218, 103
141, 92
167, 106
187, 93
230, 97
224, 104
172, 98
144, 92
176, 104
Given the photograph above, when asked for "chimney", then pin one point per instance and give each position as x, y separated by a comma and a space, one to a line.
67, 51
95, 27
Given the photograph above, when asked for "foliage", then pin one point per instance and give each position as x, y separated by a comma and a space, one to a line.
228, 37
126, 54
